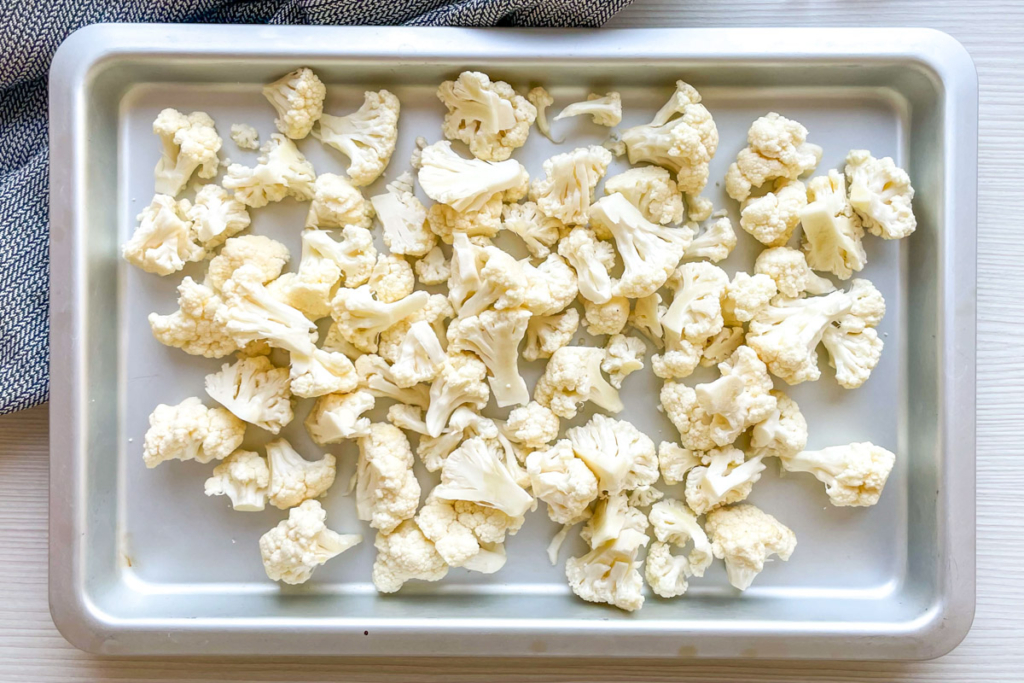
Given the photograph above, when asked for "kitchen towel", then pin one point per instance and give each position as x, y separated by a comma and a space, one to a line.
31, 30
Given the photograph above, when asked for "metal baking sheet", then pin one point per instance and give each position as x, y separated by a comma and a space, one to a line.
141, 562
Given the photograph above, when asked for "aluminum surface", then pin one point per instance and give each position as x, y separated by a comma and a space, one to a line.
142, 563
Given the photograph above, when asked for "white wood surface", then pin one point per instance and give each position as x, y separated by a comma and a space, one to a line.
31, 650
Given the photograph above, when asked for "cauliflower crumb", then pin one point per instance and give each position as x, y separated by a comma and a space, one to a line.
245, 136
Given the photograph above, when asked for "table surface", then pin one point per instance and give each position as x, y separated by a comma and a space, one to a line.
31, 649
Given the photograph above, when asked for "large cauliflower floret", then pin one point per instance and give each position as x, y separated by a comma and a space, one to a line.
682, 137
776, 148
674, 461
361, 318
563, 481
567, 190
745, 296
367, 136
532, 425
337, 417
191, 431
460, 382
419, 358
488, 116
475, 472
854, 474
466, 534
468, 184
433, 268
294, 479
694, 317
250, 312
298, 98
403, 555
404, 219
651, 190
387, 492
771, 218
622, 357
740, 398
788, 268
193, 328
610, 572
720, 347
622, 457
571, 378
646, 318
723, 477
745, 537
881, 194
243, 477
604, 110
674, 523
552, 285
255, 391
301, 543
216, 216
337, 203
592, 259
715, 243
268, 256
539, 233
392, 278
684, 410
190, 145
609, 317
783, 432
548, 333
281, 172
166, 238
832, 231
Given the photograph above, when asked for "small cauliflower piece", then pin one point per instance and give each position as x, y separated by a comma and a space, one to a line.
652, 190
464, 423
532, 425
337, 417
298, 99
474, 472
484, 223
281, 171
468, 184
783, 432
571, 378
245, 136
567, 190
854, 475
361, 318
403, 555
723, 477
720, 347
301, 543
622, 357
490, 117
467, 261
194, 328
355, 256
294, 479
501, 283
881, 194
607, 318
603, 110
666, 573
694, 317
553, 285
375, 377
337, 203
419, 358
539, 233
745, 537
610, 572
788, 268
541, 99
435, 312
644, 496
460, 382
191, 431
675, 525
740, 398
853, 354
254, 391
243, 477
250, 312
646, 318
699, 209
215, 216
166, 238
433, 268
548, 333
771, 218
315, 372
392, 278
684, 410
387, 492
832, 231
715, 243
190, 145
674, 461
622, 457
776, 148
494, 336
404, 219
592, 259
466, 534
745, 296
367, 136
268, 256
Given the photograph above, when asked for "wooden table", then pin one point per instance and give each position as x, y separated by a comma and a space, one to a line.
31, 650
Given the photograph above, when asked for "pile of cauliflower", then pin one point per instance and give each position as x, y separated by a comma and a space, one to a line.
639, 257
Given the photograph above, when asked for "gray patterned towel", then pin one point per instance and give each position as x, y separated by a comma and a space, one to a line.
31, 30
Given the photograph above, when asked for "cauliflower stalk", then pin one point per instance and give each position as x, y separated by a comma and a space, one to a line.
367, 136
362, 318
301, 543
541, 99
592, 259
375, 377
604, 110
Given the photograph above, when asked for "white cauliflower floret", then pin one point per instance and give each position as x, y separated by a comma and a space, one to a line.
881, 194
404, 219
310, 289
466, 534
592, 259
552, 285
666, 573
468, 184
776, 148
361, 318
467, 261
392, 278
740, 398
485, 223
490, 117
682, 137
460, 382
315, 372
622, 357
474, 472
610, 515
403, 555
193, 328
783, 432
281, 171
255, 391
722, 478
573, 377
646, 318
610, 572
674, 461
541, 99
539, 233
681, 406
788, 268
190, 145
745, 296
832, 231
853, 353
694, 317
419, 358
337, 203
268, 256
336, 417
715, 243
548, 333
215, 216
722, 346
355, 256
191, 431
375, 377
501, 282
567, 189
435, 312
301, 543
433, 268
771, 218
367, 136
604, 110
243, 477
298, 99
294, 479
622, 457
464, 423
674, 523
166, 238
699, 209
651, 190
644, 496
532, 425
387, 492
854, 474
245, 136
607, 318
745, 537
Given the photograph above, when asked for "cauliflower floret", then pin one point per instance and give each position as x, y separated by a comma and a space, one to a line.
552, 285
366, 136
315, 372
745, 537
255, 391
646, 318
243, 477
498, 281
468, 184
539, 233
464, 423
789, 269
573, 377
567, 190
684, 410
610, 572
771, 219
651, 190
193, 328
404, 219
190, 145
460, 382
715, 243
387, 492
488, 116
853, 475
355, 256
532, 425
268, 256
336, 417
403, 555
476, 473
215, 216
832, 231
722, 478
466, 534
281, 171
740, 398
776, 148
361, 318
644, 496
251, 312
745, 296
294, 479
622, 357
675, 525
546, 334
191, 431
541, 99
301, 543
433, 268
375, 377
722, 346
603, 110
166, 238
607, 318
610, 515
622, 457
245, 136
485, 223
419, 358
853, 353
299, 100
694, 317
674, 461
783, 432
881, 194
592, 259
437, 310
392, 278
337, 203
699, 209
666, 573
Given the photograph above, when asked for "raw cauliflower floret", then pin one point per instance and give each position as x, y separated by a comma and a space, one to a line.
720, 347
783, 432
675, 525
604, 110
245, 136
592, 259
539, 233
485, 223
788, 268
403, 555
745, 537
644, 496
567, 190
243, 477
684, 410
490, 117
548, 333
652, 190
609, 317
255, 391
404, 219
745, 296
674, 461
610, 572
771, 218
853, 354
190, 145
466, 534
622, 457
832, 231
387, 492
694, 317
854, 474
682, 137
361, 318
499, 281
715, 243
354, 255
166, 238
563, 481
646, 318
337, 417
699, 209
609, 516
367, 136
460, 382
392, 278
268, 256
294, 479
573, 377
315, 372
375, 377
435, 312
776, 148
299, 100
541, 99
191, 431
740, 398
464, 423
281, 171
723, 477
532, 425
552, 285
419, 358
193, 328
468, 184
881, 194
215, 216
622, 357
475, 472
433, 268
337, 203
666, 573
301, 543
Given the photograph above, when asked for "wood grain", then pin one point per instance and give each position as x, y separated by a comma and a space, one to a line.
31, 650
